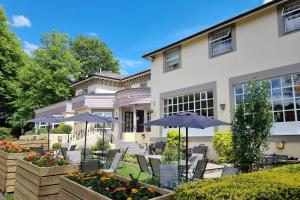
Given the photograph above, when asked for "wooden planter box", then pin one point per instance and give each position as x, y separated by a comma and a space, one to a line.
39, 183
8, 165
32, 143
71, 190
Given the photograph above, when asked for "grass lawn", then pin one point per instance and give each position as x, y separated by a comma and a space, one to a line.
127, 168
10, 196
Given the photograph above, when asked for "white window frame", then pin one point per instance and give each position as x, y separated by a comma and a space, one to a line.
221, 37
291, 10
273, 100
192, 102
177, 59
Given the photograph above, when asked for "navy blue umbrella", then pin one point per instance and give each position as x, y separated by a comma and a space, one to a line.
87, 117
188, 120
49, 120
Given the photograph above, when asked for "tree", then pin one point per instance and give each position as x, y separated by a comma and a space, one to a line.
12, 58
93, 54
251, 126
46, 79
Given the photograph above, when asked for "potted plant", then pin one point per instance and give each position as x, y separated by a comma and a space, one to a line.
99, 186
37, 176
9, 153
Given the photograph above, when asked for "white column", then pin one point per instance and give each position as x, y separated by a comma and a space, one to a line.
134, 117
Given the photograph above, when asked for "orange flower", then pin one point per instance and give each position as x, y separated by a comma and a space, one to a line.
98, 171
134, 190
151, 190
129, 198
104, 178
121, 189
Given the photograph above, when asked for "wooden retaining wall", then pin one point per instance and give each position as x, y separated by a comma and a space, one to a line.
32, 143
39, 183
8, 165
71, 190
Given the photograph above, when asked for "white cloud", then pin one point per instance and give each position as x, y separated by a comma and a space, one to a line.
129, 64
93, 34
20, 21
29, 47
266, 1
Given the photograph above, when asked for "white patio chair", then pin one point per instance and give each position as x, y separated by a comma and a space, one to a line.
115, 163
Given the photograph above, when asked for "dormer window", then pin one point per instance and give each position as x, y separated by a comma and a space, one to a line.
172, 59
221, 41
291, 17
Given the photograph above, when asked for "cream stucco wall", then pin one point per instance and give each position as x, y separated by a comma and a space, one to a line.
258, 48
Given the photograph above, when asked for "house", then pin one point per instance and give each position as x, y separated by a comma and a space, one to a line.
207, 72
111, 95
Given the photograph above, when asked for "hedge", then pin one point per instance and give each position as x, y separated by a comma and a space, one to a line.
279, 183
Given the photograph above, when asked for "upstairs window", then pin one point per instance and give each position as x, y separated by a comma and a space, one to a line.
221, 41
291, 16
172, 59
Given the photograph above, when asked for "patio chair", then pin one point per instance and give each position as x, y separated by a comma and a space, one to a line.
74, 156
115, 164
152, 148
168, 176
110, 157
160, 147
200, 149
154, 164
89, 165
64, 152
198, 171
143, 165
72, 148
39, 150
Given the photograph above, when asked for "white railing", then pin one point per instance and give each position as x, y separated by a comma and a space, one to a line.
78, 135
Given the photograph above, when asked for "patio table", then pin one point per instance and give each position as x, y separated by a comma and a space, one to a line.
101, 155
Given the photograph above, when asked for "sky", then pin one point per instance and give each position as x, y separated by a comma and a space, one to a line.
131, 28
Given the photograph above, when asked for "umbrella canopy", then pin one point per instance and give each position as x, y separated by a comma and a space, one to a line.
188, 120
88, 117
49, 120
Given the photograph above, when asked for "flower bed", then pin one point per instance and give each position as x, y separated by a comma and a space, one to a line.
98, 185
9, 153
37, 176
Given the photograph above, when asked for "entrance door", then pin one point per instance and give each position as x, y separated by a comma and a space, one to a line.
139, 121
128, 122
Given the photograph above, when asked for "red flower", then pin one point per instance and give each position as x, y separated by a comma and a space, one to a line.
50, 161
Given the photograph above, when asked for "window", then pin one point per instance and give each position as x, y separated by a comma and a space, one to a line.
201, 103
291, 16
172, 59
284, 95
221, 41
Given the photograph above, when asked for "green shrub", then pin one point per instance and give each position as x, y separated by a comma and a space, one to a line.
67, 129
279, 183
173, 136
170, 154
222, 141
5, 131
99, 146
62, 129
56, 146
130, 158
42, 131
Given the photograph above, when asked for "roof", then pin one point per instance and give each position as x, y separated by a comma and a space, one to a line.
233, 19
112, 76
